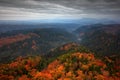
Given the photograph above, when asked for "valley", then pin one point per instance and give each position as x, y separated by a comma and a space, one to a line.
61, 54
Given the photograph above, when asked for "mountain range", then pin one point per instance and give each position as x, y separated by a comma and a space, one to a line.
60, 52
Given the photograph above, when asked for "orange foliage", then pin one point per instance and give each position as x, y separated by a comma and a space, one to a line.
43, 75
86, 67
67, 79
99, 63
105, 73
100, 77
16, 38
14, 65
60, 68
6, 77
24, 77
12, 39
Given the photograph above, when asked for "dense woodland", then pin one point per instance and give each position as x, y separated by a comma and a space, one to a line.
32, 42
101, 39
77, 63
90, 52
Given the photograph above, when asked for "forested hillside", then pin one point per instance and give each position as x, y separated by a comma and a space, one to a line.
32, 42
90, 53
103, 39
77, 63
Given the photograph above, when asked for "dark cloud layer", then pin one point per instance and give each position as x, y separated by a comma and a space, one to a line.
43, 9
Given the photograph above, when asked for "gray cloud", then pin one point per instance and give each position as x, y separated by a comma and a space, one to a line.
35, 9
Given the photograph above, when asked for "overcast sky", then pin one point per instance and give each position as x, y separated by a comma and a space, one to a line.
59, 9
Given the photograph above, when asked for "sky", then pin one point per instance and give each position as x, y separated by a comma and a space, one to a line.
59, 9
